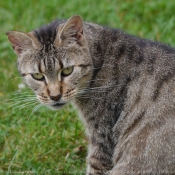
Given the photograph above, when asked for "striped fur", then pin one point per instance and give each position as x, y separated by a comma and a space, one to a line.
123, 87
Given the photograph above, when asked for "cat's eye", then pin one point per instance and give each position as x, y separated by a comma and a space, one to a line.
67, 71
38, 76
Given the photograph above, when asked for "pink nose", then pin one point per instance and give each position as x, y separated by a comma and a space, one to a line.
55, 98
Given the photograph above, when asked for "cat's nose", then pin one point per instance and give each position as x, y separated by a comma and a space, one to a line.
55, 98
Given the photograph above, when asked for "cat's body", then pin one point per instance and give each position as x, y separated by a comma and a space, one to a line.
123, 87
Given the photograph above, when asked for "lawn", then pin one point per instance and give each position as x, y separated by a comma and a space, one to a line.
53, 142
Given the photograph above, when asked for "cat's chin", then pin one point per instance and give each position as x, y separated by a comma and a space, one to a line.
57, 106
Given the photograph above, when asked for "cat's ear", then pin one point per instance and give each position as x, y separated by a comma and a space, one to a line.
20, 41
72, 30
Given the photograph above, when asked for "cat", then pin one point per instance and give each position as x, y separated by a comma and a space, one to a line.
123, 87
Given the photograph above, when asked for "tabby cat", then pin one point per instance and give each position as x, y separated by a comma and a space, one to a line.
122, 86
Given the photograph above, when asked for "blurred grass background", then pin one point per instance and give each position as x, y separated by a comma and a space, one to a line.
53, 142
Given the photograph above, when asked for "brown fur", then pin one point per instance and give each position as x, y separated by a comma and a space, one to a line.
123, 87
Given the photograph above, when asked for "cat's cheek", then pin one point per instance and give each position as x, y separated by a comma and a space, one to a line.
35, 86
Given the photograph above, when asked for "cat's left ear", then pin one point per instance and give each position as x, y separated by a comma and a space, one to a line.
72, 31
20, 41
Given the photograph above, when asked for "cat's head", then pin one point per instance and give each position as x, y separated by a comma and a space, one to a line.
54, 60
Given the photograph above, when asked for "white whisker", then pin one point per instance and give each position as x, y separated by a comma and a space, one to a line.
15, 78
19, 102
29, 108
19, 107
34, 110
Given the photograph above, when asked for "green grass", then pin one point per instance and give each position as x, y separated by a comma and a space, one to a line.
53, 142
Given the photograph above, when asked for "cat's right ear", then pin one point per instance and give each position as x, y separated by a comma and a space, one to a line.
20, 41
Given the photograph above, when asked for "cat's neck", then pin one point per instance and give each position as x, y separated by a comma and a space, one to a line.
112, 63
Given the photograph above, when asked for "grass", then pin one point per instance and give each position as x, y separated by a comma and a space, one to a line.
53, 142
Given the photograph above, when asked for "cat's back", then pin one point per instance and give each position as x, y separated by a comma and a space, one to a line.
147, 123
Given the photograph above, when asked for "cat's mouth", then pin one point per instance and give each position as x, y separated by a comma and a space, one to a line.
58, 105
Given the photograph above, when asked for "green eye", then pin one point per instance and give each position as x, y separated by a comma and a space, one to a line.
38, 76
67, 71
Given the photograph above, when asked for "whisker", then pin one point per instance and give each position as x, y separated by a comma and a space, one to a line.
22, 97
104, 86
19, 102
11, 101
23, 106
93, 91
90, 97
30, 107
19, 107
95, 80
108, 65
26, 90
98, 89
34, 110
22, 93
87, 96
15, 78
80, 102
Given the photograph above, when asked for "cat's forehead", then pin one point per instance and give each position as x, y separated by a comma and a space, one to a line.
46, 34
49, 50
48, 63
62, 56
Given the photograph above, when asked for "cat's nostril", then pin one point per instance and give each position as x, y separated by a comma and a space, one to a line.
55, 98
